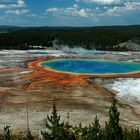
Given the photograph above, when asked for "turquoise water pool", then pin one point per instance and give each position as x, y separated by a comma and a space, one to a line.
88, 66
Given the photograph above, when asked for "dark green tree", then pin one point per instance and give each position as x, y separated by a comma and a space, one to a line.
94, 131
29, 136
80, 132
55, 129
113, 130
7, 133
134, 134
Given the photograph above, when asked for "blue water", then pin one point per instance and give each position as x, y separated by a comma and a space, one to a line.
88, 66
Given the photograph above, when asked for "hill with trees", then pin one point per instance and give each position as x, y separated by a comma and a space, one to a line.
100, 38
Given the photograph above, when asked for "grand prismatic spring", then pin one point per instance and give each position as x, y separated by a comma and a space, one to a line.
70, 71
89, 66
82, 85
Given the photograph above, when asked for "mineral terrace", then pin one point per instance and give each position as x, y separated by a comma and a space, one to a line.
27, 91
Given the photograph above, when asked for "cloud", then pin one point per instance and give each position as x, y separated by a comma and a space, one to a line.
102, 2
18, 12
6, 0
119, 10
115, 7
75, 5
11, 19
97, 12
83, 13
72, 11
19, 4
2, 6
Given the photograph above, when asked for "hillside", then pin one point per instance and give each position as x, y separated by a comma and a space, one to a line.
100, 38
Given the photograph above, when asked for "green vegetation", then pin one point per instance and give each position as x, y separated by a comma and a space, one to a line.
100, 38
57, 130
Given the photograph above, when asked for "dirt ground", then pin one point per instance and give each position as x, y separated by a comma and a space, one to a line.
82, 103
22, 107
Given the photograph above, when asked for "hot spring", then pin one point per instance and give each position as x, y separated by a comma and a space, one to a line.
89, 66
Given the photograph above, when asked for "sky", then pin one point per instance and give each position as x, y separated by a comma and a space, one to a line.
69, 12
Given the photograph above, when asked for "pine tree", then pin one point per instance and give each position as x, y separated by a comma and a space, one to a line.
113, 130
134, 134
56, 129
80, 132
7, 133
29, 136
54, 120
94, 132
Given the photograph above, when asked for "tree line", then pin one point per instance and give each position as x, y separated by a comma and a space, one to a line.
57, 130
100, 38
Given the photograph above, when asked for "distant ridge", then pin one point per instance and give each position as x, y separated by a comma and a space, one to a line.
9, 27
113, 38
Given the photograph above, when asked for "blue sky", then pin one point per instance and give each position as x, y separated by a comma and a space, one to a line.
69, 12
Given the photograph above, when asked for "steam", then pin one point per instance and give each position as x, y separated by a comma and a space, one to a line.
75, 49
80, 50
